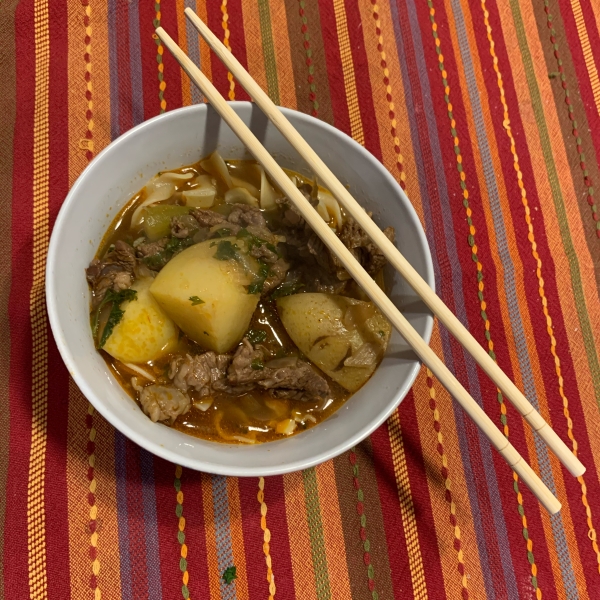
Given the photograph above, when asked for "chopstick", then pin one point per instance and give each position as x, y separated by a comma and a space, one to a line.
423, 351
392, 254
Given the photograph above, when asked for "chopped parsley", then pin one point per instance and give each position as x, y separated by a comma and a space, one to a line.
115, 315
223, 232
229, 575
226, 250
287, 288
172, 247
255, 336
257, 285
381, 333
257, 364
252, 241
195, 300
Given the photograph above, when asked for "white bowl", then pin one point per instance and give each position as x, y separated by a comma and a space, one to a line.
178, 138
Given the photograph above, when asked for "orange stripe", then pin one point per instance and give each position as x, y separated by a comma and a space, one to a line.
237, 538
253, 42
226, 35
300, 550
283, 54
331, 519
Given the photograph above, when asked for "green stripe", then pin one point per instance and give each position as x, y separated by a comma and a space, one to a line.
559, 206
315, 530
264, 15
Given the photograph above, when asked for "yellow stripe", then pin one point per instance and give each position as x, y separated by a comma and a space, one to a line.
407, 509
341, 24
587, 51
226, 34
36, 515
266, 536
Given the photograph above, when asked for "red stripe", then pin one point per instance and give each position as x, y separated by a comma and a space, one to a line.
135, 517
335, 74
55, 489
15, 544
123, 66
390, 509
363, 81
583, 84
172, 72
237, 39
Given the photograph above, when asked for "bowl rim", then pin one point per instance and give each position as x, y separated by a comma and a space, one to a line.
155, 447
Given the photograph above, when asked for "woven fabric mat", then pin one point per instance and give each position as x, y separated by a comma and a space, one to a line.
488, 114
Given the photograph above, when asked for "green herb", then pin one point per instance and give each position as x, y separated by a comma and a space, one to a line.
257, 364
226, 251
253, 241
255, 336
204, 332
381, 333
195, 300
263, 269
223, 232
229, 574
115, 315
172, 247
257, 285
287, 289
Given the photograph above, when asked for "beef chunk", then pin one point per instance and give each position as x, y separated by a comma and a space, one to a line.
299, 380
361, 246
244, 215
263, 253
149, 249
163, 402
115, 271
207, 218
184, 226
277, 274
199, 372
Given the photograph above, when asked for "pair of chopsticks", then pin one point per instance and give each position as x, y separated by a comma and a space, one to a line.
392, 254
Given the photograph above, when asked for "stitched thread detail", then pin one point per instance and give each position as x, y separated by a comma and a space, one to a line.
159, 59
181, 534
266, 536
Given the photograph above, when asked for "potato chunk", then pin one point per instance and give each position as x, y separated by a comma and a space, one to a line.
345, 338
145, 332
203, 290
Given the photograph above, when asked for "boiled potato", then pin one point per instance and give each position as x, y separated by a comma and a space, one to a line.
344, 337
206, 296
145, 332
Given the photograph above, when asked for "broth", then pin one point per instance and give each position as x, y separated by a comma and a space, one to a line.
231, 411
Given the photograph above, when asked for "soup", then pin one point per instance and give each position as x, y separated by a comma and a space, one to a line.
221, 312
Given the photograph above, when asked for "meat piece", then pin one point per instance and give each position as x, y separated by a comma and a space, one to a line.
241, 371
200, 372
244, 215
115, 271
207, 218
149, 249
184, 226
361, 246
299, 380
277, 274
163, 403
263, 253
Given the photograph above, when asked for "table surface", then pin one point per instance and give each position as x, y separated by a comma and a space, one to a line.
488, 114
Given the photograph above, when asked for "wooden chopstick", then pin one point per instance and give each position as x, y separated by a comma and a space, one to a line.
423, 351
392, 254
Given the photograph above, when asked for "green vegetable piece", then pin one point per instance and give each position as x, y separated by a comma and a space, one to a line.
229, 574
256, 336
226, 251
157, 219
195, 300
257, 364
116, 314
